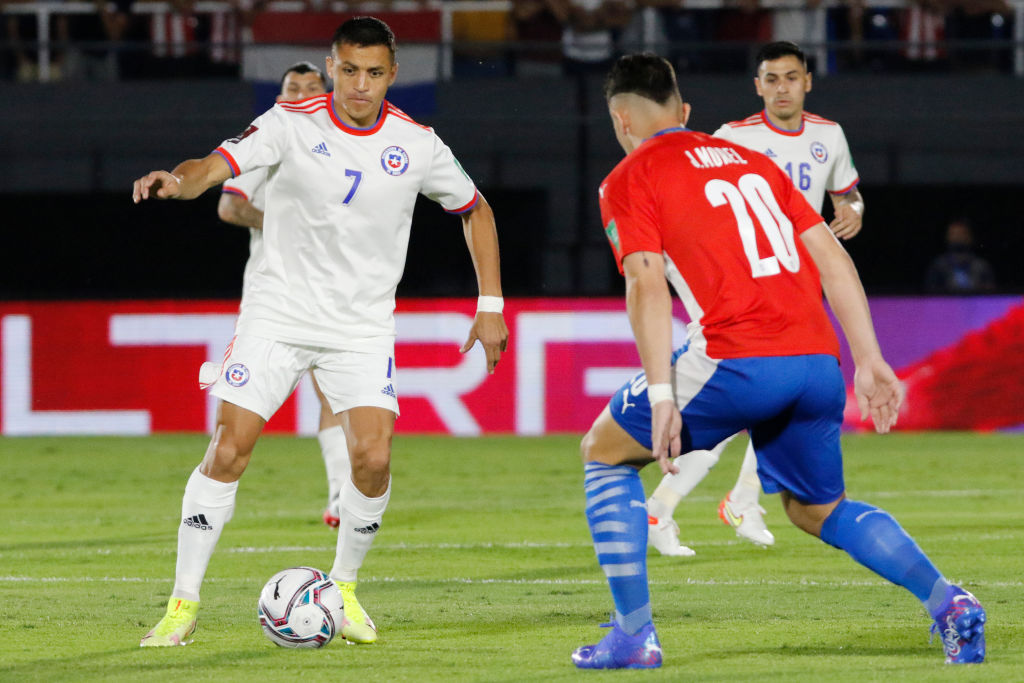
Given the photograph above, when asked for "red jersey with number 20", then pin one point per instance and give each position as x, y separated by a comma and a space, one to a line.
728, 221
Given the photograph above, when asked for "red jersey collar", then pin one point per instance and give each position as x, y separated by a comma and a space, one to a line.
352, 130
780, 131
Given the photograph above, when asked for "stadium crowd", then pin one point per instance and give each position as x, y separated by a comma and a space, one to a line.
122, 39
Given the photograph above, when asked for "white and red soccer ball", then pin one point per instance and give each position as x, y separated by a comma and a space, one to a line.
300, 607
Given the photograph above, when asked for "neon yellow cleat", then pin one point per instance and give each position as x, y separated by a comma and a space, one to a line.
357, 626
176, 627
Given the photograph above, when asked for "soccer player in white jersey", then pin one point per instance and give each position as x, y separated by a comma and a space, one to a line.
813, 152
242, 201
344, 170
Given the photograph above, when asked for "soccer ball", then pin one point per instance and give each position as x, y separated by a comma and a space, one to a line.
300, 607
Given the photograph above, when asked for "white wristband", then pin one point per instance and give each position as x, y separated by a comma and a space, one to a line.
656, 393
490, 304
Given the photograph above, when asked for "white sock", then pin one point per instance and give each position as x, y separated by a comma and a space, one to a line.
205, 508
334, 448
693, 467
360, 521
747, 490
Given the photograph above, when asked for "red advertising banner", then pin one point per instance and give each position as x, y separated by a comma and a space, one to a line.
131, 367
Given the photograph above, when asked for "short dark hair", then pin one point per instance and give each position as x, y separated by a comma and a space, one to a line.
778, 50
365, 32
645, 74
303, 68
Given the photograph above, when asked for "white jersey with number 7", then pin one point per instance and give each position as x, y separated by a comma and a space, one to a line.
336, 227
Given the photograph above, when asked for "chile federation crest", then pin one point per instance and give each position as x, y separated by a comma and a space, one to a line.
819, 152
394, 160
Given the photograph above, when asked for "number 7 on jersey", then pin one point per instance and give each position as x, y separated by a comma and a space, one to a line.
358, 176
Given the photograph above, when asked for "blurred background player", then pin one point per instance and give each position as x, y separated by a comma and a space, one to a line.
241, 203
746, 253
815, 155
346, 169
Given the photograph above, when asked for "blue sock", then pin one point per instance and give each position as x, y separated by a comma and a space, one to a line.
874, 539
617, 515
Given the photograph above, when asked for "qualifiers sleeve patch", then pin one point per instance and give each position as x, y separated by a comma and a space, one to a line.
612, 231
244, 134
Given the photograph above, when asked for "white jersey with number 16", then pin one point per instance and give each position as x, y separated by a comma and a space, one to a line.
816, 157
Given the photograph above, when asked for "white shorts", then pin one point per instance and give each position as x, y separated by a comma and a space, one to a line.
259, 375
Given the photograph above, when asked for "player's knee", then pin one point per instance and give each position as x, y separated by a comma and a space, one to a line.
588, 446
371, 454
807, 517
228, 460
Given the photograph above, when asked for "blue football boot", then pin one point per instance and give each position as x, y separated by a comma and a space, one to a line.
619, 650
961, 625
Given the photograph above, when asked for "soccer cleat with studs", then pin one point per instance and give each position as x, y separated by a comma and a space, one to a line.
961, 625
177, 626
619, 650
663, 534
747, 521
356, 626
332, 513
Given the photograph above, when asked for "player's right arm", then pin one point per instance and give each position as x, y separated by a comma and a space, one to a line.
239, 211
188, 180
649, 306
878, 391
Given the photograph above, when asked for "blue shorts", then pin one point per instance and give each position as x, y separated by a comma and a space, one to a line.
791, 405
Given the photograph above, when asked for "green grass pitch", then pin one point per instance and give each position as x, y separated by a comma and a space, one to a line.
483, 569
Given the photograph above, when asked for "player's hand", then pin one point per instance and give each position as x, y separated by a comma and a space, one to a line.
879, 394
666, 428
490, 329
158, 185
847, 222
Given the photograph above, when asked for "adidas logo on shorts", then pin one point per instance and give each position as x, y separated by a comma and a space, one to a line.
389, 390
198, 522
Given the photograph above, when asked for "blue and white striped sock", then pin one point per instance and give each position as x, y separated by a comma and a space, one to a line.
617, 516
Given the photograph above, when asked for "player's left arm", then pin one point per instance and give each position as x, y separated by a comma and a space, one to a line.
649, 306
482, 240
849, 213
876, 387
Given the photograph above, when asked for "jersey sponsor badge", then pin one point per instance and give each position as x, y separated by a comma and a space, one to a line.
394, 160
819, 152
237, 375
244, 134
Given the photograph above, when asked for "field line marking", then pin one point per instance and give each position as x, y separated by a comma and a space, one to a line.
727, 583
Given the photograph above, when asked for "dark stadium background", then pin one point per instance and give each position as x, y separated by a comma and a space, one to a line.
929, 148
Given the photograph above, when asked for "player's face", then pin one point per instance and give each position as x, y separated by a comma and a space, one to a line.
783, 83
362, 76
300, 86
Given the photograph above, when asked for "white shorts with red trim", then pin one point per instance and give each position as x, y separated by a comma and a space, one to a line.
260, 374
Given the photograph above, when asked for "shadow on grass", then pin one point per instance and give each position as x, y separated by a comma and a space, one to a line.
77, 544
128, 661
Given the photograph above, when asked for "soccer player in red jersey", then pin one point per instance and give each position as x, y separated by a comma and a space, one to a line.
749, 257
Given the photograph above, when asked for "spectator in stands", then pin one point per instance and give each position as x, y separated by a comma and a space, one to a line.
89, 58
174, 36
588, 34
960, 270
924, 30
537, 27
980, 21
22, 34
